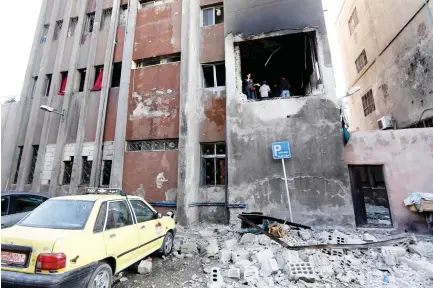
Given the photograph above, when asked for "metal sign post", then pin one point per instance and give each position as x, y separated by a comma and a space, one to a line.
281, 150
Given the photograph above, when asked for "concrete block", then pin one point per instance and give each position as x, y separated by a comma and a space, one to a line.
263, 256
391, 254
419, 265
243, 263
248, 238
421, 248
215, 276
239, 255
291, 256
368, 238
234, 273
145, 267
188, 248
302, 270
230, 244
269, 267
212, 249
304, 234
251, 273
334, 252
206, 233
225, 256
264, 240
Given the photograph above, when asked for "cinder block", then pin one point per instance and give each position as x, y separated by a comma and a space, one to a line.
291, 256
302, 270
251, 273
234, 273
239, 255
225, 256
231, 243
263, 256
215, 276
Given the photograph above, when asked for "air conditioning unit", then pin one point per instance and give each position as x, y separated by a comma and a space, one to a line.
385, 123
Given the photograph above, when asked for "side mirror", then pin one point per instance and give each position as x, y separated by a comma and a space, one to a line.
158, 215
170, 214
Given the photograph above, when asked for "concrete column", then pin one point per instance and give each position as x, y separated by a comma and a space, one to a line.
122, 104
75, 177
63, 126
55, 86
26, 91
189, 145
35, 110
106, 84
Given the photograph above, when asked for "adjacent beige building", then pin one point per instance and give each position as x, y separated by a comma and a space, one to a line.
387, 51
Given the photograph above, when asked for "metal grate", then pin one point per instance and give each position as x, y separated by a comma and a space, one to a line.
152, 145
368, 103
106, 18
72, 26
58, 29
67, 171
90, 21
361, 61
87, 170
213, 161
44, 33
33, 164
106, 172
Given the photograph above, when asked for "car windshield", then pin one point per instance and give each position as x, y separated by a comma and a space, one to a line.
59, 214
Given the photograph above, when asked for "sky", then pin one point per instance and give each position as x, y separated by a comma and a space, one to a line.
14, 57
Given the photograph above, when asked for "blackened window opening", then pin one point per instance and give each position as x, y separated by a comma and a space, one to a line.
214, 75
117, 72
48, 84
67, 172
87, 170
82, 74
293, 57
17, 170
106, 172
33, 164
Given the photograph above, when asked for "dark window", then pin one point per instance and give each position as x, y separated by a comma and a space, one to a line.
152, 145
117, 72
213, 157
87, 170
33, 164
35, 81
424, 123
90, 21
353, 21
27, 203
146, 3
212, 15
20, 154
44, 33
5, 205
368, 103
58, 29
82, 74
72, 25
361, 61
118, 215
48, 84
106, 18
67, 172
142, 211
106, 172
158, 60
100, 219
214, 75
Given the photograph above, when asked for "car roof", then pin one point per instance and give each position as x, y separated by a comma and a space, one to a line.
10, 193
96, 197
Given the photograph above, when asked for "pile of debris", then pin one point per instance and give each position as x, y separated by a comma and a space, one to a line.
232, 258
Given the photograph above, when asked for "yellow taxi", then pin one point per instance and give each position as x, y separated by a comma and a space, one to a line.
82, 241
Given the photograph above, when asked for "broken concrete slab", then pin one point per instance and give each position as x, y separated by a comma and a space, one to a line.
145, 267
263, 256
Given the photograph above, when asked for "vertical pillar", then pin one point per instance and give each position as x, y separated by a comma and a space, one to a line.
35, 110
63, 126
122, 104
55, 86
106, 83
189, 145
75, 177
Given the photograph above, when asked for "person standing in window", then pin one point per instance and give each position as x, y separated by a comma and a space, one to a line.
284, 87
265, 90
249, 86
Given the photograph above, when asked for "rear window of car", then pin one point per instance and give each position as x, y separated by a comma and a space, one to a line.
59, 214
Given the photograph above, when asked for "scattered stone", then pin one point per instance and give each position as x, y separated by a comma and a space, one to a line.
212, 249
145, 267
239, 255
268, 267
234, 273
422, 248
305, 235
225, 256
206, 233
188, 248
263, 256
230, 244
251, 273
123, 279
368, 238
248, 238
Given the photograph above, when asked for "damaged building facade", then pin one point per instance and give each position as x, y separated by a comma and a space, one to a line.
150, 96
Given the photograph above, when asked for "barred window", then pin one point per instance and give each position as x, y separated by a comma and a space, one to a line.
58, 29
33, 164
67, 172
368, 103
17, 170
353, 21
87, 170
361, 61
90, 21
213, 161
106, 18
72, 25
106, 172
44, 33
152, 145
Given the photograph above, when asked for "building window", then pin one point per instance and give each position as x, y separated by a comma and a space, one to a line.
212, 15
72, 25
158, 60
35, 81
67, 172
87, 170
213, 161
368, 103
152, 145
58, 29
62, 90
214, 75
123, 15
17, 170
106, 172
90, 21
106, 18
44, 33
99, 73
82, 75
33, 164
117, 72
353, 21
147, 3
48, 84
361, 61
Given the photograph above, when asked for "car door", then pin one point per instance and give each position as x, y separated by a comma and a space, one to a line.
121, 234
23, 205
6, 219
148, 227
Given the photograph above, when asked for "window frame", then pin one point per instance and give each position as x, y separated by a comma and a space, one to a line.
58, 30
353, 19
361, 66
367, 106
145, 204
106, 21
128, 205
215, 78
214, 156
89, 17
64, 170
85, 159
213, 8
105, 217
104, 161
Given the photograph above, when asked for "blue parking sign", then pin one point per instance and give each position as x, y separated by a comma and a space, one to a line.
281, 150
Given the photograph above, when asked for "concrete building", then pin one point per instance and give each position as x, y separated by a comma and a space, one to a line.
387, 49
152, 99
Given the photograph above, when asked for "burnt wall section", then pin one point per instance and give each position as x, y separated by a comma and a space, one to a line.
212, 43
153, 110
213, 120
158, 30
317, 177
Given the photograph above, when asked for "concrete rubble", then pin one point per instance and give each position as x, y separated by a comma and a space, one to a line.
232, 259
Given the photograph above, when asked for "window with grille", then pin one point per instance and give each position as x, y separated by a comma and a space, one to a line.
361, 61
368, 103
106, 172
213, 162
214, 75
106, 18
45, 33
90, 21
33, 164
72, 26
353, 21
67, 172
17, 170
152, 145
58, 29
86, 171
212, 15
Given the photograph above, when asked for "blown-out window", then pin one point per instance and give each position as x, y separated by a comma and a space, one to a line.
213, 161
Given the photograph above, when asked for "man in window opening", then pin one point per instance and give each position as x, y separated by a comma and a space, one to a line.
284, 87
249, 86
265, 90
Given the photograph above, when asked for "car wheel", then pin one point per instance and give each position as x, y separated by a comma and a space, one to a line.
167, 245
102, 277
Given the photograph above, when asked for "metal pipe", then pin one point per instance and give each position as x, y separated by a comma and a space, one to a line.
422, 114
